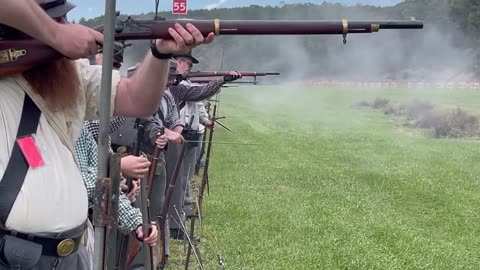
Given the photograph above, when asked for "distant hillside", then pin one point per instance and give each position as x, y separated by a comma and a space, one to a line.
445, 48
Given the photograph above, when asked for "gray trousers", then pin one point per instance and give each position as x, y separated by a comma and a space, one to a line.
157, 197
176, 203
198, 152
75, 261
189, 162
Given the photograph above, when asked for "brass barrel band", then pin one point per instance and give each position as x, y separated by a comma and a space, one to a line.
217, 26
345, 26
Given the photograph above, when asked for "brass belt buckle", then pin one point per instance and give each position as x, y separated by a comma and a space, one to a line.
65, 247
122, 150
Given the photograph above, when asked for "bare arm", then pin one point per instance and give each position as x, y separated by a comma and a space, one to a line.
202, 113
141, 94
72, 40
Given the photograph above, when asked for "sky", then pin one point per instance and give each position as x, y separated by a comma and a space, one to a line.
93, 8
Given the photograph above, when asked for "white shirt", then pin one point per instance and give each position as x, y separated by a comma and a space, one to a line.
193, 108
53, 197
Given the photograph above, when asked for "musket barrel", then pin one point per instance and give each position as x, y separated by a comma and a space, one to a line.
200, 74
309, 27
143, 29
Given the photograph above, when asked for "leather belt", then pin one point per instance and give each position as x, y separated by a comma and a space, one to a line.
51, 247
122, 149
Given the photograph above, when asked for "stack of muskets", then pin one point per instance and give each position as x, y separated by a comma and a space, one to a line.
23, 53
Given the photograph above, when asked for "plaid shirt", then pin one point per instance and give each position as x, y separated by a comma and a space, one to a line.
182, 92
94, 127
168, 108
87, 154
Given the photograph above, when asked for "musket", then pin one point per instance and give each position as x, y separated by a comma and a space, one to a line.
145, 194
230, 83
198, 208
153, 165
224, 126
162, 217
129, 247
22, 53
201, 74
112, 211
202, 151
135, 152
146, 225
134, 248
204, 182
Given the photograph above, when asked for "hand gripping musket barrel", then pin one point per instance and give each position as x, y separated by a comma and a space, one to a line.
23, 53
147, 184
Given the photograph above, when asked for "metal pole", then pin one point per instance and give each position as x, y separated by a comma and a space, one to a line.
104, 113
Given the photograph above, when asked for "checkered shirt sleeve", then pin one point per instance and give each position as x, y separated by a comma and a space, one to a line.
94, 126
87, 154
183, 93
172, 117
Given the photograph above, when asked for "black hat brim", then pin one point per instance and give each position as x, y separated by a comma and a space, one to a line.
61, 10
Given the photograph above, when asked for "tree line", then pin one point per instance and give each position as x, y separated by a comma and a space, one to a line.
452, 27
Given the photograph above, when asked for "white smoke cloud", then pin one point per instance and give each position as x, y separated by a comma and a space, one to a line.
215, 5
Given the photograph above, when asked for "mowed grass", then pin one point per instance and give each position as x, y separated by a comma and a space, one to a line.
331, 186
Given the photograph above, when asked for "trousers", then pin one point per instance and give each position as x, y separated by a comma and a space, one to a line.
79, 260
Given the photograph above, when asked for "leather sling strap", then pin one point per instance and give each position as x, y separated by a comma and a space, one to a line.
17, 166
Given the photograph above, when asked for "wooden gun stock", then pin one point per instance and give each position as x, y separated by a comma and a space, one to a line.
17, 56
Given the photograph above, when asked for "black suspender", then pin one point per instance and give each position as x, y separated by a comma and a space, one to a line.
17, 166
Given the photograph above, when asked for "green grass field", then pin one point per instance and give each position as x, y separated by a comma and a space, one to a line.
335, 187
